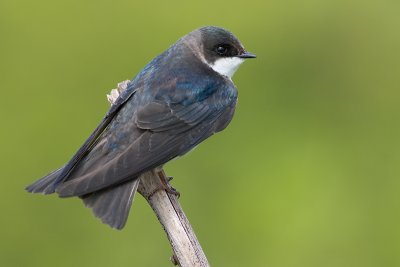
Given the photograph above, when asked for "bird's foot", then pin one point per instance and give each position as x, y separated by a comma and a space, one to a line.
167, 186
172, 191
161, 185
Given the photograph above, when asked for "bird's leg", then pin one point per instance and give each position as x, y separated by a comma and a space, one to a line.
167, 186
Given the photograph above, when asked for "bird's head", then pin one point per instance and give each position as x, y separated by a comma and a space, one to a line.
218, 48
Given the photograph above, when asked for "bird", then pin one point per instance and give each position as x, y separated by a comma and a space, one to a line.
179, 99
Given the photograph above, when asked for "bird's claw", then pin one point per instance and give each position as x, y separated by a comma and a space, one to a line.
167, 186
172, 191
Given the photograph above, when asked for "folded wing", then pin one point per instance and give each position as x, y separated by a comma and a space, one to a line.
158, 132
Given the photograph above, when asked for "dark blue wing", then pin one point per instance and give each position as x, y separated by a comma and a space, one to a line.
168, 124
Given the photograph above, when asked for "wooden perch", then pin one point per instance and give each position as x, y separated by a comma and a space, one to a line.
152, 186
187, 249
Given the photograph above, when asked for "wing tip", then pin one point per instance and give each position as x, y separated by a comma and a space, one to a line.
44, 185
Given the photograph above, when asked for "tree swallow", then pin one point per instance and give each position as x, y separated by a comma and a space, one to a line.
179, 99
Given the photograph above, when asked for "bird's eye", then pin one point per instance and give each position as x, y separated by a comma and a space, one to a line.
222, 50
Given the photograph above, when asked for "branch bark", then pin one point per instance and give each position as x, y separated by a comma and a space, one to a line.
186, 247
152, 186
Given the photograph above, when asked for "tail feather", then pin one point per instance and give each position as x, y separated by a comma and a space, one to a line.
46, 184
112, 205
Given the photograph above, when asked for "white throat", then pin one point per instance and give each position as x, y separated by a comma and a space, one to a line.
227, 66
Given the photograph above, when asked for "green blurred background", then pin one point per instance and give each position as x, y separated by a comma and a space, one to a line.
307, 174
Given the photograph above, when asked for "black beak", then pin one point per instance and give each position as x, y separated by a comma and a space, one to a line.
247, 55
